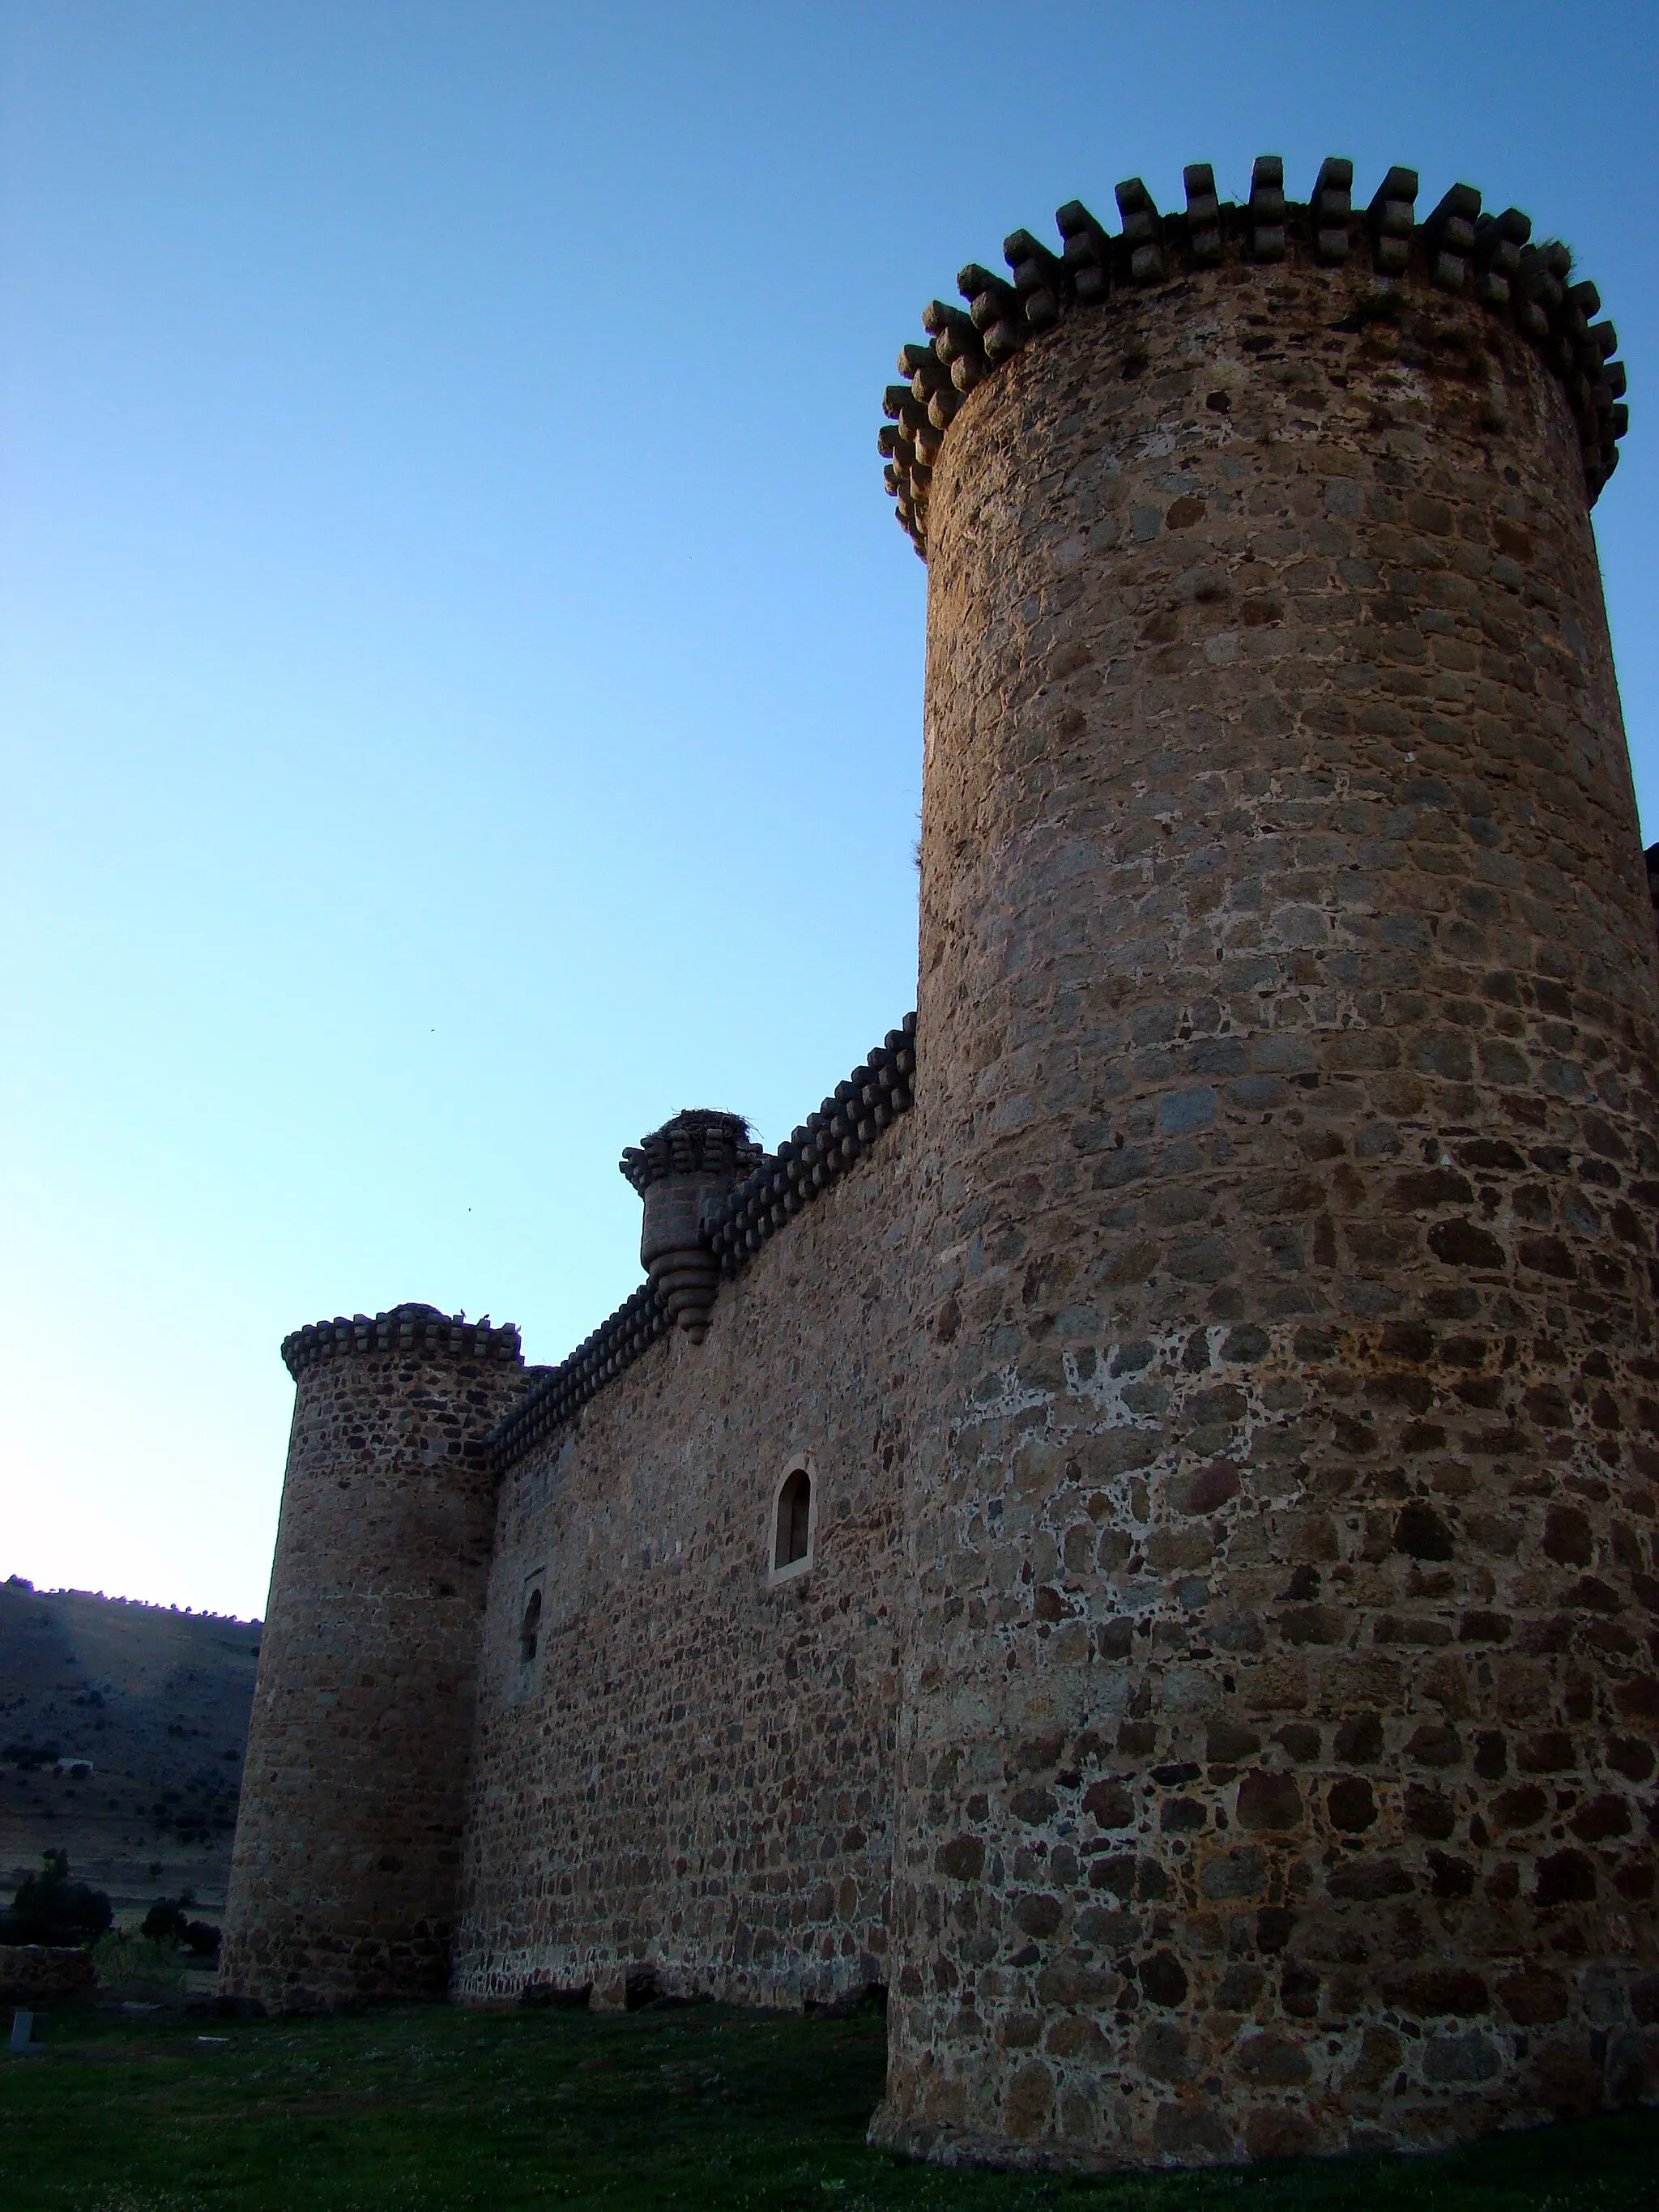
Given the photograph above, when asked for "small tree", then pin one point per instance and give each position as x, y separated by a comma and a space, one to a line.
202, 1940
167, 1922
164, 1922
50, 1908
31, 1757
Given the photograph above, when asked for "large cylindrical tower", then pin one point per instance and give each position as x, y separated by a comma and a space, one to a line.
347, 1839
1278, 1720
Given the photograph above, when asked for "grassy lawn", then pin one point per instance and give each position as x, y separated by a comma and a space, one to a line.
439, 2108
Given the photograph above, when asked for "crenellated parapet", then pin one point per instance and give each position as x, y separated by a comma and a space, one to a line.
407, 1329
1457, 253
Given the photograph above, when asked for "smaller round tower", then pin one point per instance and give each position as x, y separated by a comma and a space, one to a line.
348, 1841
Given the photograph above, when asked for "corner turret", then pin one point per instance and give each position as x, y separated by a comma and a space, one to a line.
348, 1840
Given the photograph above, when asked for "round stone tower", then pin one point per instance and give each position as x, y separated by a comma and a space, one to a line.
1277, 1731
347, 1839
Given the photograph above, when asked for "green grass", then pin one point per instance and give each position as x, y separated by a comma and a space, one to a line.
402, 2110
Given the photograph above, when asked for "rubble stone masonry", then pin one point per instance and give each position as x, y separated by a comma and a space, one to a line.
1280, 1689
690, 1776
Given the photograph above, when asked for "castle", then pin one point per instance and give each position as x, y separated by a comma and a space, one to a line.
1134, 1530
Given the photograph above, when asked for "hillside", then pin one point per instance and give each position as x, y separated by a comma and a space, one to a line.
158, 1701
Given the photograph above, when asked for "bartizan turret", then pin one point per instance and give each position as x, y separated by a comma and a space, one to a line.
347, 1839
684, 1172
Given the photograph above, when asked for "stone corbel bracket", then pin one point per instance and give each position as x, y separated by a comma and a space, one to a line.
1457, 252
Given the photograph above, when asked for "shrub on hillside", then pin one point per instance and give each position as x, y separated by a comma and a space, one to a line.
31, 1757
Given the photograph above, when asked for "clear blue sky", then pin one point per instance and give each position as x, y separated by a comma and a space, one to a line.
459, 677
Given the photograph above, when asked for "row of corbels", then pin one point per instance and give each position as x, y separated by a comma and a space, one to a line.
772, 1192
815, 1154
1460, 252
407, 1329
562, 1392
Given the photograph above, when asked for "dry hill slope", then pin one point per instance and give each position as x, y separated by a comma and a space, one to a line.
158, 1701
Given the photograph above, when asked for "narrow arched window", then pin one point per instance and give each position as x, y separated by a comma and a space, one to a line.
529, 1629
794, 1521
794, 1518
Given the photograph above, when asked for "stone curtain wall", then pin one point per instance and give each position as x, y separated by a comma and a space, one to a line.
348, 1840
1278, 1700
692, 1777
